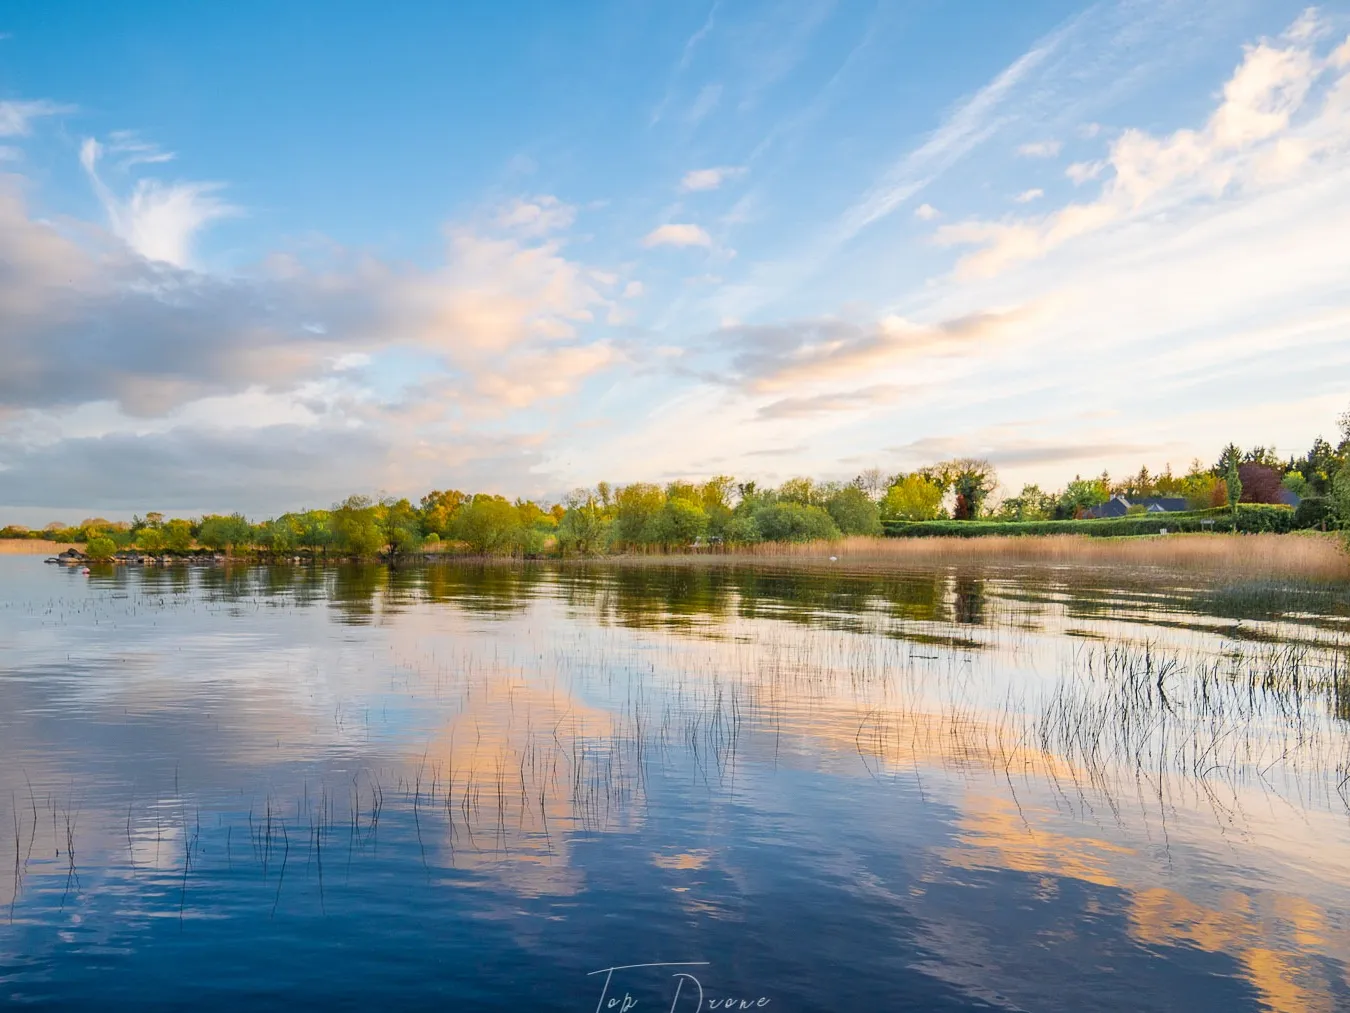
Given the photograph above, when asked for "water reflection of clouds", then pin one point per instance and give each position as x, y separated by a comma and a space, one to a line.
518, 712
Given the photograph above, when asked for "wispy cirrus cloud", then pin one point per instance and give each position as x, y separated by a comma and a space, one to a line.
157, 220
691, 45
709, 179
863, 398
17, 116
973, 121
1250, 142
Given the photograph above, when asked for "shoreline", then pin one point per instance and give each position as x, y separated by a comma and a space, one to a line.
1308, 556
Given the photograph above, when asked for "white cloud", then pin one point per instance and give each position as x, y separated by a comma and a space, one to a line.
632, 290
158, 220
1027, 196
677, 235
774, 357
16, 117
128, 149
1248, 142
926, 212
351, 360
1039, 149
536, 216
1341, 57
709, 179
1081, 172
85, 324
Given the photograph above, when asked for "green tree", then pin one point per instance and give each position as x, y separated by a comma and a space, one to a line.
437, 510
356, 528
1229, 462
315, 531
799, 490
1168, 484
716, 492
912, 498
400, 525
854, 512
794, 522
583, 528
151, 540
225, 533
178, 536
682, 522
972, 481
100, 548
279, 536
638, 511
1082, 494
1031, 504
743, 530
489, 524
1340, 498
1137, 486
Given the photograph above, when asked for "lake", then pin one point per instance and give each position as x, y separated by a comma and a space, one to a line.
646, 787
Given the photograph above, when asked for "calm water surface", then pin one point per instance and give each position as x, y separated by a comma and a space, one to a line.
474, 788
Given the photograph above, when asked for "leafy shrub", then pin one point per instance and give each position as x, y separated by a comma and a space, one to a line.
100, 548
793, 522
743, 531
854, 512
1312, 511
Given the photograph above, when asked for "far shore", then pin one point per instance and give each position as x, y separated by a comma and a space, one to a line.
1312, 556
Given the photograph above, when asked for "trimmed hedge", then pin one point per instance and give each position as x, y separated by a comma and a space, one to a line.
1251, 518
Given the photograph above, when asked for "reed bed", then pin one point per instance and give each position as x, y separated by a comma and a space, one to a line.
509, 793
1309, 556
32, 547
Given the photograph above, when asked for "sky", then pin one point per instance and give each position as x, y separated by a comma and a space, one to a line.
260, 257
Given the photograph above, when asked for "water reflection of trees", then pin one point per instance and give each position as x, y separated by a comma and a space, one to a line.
352, 592
483, 588
968, 600
922, 605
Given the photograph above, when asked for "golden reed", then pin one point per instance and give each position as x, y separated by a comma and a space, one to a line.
1313, 556
32, 547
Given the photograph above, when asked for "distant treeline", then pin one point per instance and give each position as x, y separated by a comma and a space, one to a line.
643, 517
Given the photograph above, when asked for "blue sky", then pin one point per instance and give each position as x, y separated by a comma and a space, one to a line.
260, 256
